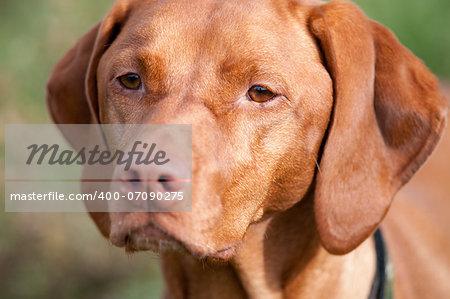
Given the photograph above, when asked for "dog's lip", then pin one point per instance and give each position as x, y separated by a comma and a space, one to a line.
149, 237
152, 237
224, 254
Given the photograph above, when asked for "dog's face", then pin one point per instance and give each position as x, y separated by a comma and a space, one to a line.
254, 149
258, 81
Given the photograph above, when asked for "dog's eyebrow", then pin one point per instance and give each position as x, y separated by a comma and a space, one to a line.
127, 56
151, 66
234, 70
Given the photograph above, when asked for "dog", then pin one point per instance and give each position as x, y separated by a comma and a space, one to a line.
307, 117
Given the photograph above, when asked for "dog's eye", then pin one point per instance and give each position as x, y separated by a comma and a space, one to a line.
130, 81
260, 94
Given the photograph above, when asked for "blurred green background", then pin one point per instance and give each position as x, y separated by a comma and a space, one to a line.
63, 255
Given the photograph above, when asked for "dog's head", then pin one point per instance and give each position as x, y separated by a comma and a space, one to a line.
283, 97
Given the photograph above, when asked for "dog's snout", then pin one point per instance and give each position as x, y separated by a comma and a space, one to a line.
170, 177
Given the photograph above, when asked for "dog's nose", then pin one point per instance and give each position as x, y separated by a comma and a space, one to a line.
170, 177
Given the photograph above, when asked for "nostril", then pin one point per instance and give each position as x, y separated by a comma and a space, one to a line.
166, 182
130, 180
169, 183
134, 178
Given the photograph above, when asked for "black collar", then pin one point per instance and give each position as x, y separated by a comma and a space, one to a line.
382, 286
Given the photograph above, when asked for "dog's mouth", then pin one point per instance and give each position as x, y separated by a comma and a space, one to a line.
151, 237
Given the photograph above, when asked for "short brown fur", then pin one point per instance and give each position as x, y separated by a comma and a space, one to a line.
279, 187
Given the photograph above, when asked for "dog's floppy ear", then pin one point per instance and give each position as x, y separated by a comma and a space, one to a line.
387, 117
66, 97
72, 87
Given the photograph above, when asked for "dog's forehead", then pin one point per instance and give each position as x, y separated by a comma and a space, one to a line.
199, 46
189, 30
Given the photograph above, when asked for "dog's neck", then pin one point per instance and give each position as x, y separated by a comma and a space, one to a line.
280, 257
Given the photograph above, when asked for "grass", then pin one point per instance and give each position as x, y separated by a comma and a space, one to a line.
422, 26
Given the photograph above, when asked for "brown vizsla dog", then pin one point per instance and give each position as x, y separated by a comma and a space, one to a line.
307, 119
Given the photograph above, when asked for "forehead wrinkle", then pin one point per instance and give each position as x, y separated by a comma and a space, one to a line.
141, 59
232, 50
154, 67
243, 34
181, 42
237, 71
